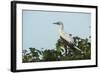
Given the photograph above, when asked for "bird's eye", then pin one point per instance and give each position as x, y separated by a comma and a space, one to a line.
70, 34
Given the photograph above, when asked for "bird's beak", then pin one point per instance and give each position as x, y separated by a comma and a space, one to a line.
55, 23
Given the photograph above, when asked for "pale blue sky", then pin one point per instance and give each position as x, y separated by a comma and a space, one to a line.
39, 32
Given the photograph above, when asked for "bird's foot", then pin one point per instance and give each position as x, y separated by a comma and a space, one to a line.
82, 52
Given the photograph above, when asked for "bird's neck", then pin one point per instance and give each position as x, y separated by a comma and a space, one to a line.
61, 27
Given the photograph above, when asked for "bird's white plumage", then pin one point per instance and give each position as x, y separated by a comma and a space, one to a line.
66, 36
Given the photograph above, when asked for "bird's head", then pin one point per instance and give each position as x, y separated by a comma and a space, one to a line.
58, 23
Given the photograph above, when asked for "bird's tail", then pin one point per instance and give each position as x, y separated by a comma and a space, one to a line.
78, 49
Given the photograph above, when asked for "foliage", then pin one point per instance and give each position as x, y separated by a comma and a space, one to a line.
59, 53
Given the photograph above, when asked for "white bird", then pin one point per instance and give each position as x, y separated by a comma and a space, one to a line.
65, 36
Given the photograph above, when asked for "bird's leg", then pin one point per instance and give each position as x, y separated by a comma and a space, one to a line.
66, 50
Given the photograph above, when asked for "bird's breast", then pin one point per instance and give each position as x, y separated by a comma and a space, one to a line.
66, 37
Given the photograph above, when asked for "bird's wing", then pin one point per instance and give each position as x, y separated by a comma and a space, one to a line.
67, 37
